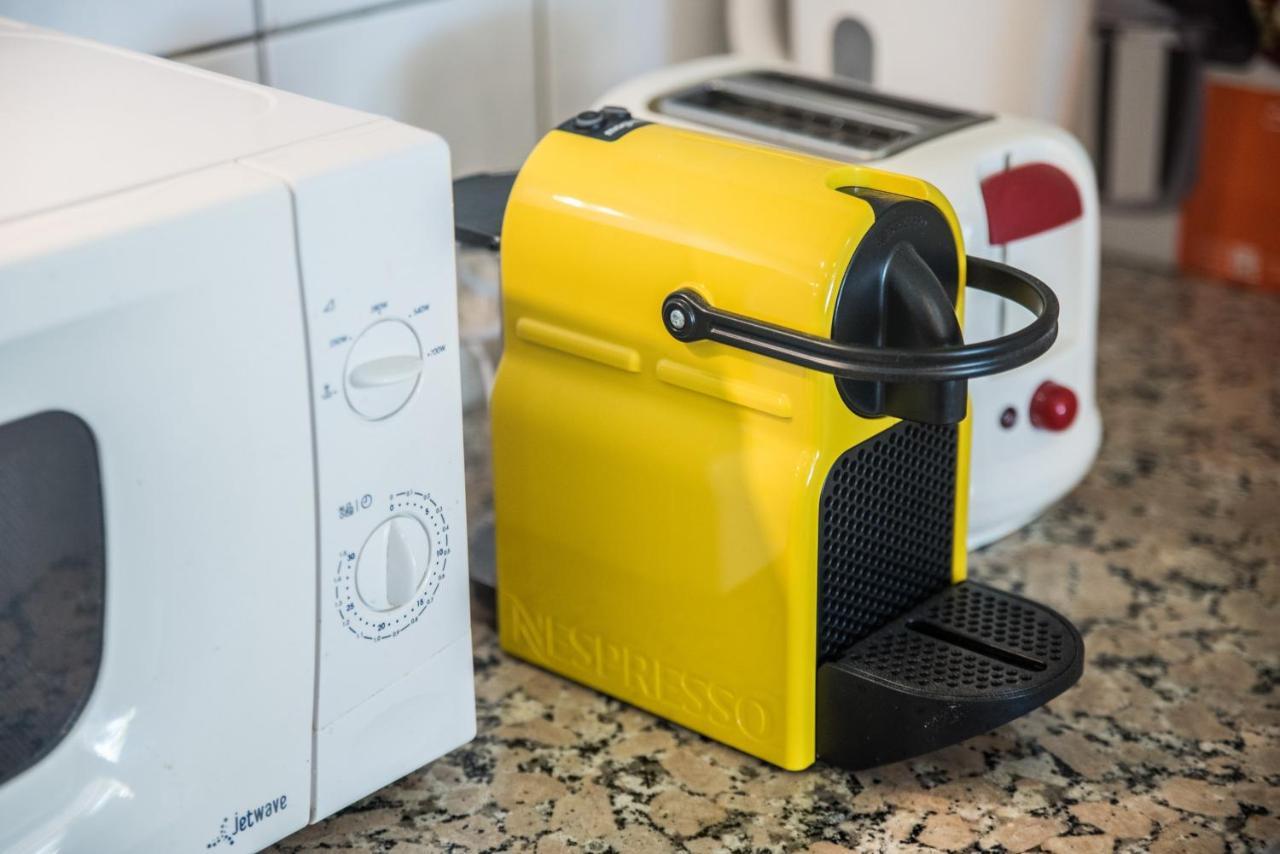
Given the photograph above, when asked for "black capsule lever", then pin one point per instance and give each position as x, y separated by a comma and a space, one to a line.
689, 317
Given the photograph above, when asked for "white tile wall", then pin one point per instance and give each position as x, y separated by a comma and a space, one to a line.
237, 60
150, 26
593, 45
462, 68
288, 13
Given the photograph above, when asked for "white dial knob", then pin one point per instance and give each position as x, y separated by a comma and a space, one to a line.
382, 369
393, 563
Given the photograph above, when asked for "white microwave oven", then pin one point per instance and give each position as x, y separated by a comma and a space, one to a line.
233, 581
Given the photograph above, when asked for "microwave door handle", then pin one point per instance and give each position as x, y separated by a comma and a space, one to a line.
689, 317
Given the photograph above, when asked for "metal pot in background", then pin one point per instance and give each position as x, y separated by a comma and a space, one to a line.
1149, 104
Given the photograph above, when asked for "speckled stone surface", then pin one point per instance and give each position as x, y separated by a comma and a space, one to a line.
1166, 558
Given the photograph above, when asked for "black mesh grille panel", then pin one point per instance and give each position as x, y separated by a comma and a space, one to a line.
885, 531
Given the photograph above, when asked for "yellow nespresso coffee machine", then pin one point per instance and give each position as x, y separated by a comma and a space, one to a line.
730, 444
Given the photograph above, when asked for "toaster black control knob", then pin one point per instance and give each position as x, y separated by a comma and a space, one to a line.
382, 369
393, 563
588, 120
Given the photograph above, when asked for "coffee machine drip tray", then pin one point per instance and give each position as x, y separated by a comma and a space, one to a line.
959, 664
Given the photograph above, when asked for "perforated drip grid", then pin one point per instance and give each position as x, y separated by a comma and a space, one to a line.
972, 641
885, 531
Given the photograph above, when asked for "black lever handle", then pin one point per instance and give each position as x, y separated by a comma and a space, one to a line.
689, 317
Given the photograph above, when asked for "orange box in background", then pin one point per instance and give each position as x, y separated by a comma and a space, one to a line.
1231, 221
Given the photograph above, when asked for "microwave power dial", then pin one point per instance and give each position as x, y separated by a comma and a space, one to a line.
393, 563
383, 368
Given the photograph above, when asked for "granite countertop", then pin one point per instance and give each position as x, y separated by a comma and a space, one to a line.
1165, 557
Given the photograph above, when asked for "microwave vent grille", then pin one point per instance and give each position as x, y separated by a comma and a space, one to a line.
886, 528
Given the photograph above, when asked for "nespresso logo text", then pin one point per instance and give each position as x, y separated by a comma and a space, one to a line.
594, 658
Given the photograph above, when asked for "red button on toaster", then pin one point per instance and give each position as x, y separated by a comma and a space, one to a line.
1053, 407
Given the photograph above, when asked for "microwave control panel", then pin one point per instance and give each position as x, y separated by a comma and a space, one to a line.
388, 431
373, 210
382, 329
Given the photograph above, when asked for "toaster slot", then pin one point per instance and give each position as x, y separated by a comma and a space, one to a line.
779, 121
834, 119
963, 662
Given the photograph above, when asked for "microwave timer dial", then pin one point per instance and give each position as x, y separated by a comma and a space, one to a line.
393, 563
387, 585
382, 371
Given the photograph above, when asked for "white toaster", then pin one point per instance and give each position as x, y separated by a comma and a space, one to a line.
1025, 195
233, 582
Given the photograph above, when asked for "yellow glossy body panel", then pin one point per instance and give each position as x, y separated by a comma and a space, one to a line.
657, 502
